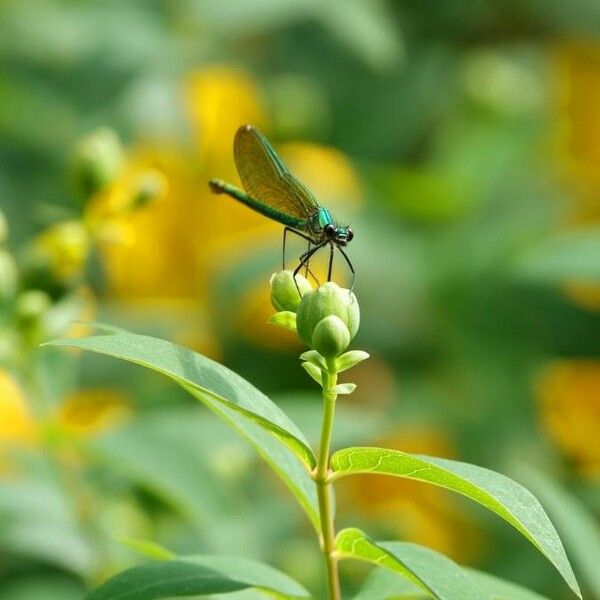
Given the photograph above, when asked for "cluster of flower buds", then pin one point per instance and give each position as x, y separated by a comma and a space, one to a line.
43, 283
326, 318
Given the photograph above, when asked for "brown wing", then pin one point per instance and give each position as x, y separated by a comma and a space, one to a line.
265, 176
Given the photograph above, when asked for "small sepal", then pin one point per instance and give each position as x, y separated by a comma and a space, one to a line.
343, 388
350, 359
285, 319
314, 372
312, 356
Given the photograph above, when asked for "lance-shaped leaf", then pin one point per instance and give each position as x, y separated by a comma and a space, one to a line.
496, 492
196, 576
382, 584
202, 374
577, 524
241, 405
430, 571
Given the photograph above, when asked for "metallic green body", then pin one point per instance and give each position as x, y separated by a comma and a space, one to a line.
221, 187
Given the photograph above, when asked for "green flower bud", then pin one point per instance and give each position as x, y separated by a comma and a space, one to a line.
8, 276
330, 337
284, 293
32, 304
97, 161
150, 186
334, 335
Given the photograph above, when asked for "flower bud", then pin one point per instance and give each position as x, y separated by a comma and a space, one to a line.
285, 295
329, 336
150, 186
97, 161
32, 305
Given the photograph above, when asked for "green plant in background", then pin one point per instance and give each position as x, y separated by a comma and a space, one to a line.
326, 319
44, 291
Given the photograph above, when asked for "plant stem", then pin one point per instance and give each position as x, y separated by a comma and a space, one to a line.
324, 486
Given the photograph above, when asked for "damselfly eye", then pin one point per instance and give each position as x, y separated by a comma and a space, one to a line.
349, 234
329, 230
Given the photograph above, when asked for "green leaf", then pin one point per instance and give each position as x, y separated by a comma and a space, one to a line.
576, 523
382, 584
314, 372
237, 402
196, 575
285, 319
496, 492
343, 388
428, 570
500, 589
206, 376
314, 357
350, 359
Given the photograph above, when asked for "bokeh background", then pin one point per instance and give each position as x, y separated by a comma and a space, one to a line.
462, 143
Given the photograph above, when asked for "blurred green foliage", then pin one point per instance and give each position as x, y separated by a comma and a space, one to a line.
472, 130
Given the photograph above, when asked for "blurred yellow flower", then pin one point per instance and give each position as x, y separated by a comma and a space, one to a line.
577, 75
251, 320
220, 99
64, 247
16, 423
578, 85
89, 412
584, 293
109, 210
149, 255
416, 512
568, 394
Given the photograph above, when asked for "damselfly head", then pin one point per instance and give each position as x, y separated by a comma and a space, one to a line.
339, 235
342, 235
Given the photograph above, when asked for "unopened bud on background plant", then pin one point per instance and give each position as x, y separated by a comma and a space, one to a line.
150, 186
286, 293
32, 304
31, 310
327, 319
97, 161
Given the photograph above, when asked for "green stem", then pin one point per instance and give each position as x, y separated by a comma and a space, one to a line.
324, 486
